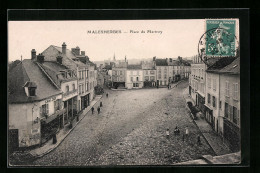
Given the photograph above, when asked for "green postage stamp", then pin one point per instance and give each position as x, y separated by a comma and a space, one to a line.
220, 37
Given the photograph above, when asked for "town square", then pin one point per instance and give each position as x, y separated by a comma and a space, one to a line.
143, 105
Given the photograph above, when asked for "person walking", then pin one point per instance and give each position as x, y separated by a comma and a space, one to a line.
186, 131
198, 140
101, 104
167, 133
92, 109
107, 95
98, 109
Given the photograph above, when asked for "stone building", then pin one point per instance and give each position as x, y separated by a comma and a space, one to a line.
36, 109
119, 74
213, 83
134, 76
77, 61
149, 73
197, 82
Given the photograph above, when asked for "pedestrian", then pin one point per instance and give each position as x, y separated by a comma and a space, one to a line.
101, 104
167, 133
92, 109
186, 131
107, 95
98, 109
198, 140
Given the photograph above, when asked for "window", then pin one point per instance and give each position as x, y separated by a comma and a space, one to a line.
208, 98
136, 78
165, 76
31, 91
152, 78
226, 110
146, 72
220, 104
146, 78
67, 88
235, 115
159, 76
209, 82
227, 89
151, 72
213, 101
235, 91
135, 84
73, 87
87, 86
214, 84
132, 79
44, 110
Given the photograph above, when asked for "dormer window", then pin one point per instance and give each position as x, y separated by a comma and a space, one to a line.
30, 88
32, 91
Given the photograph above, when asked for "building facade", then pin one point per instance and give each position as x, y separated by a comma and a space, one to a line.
134, 77
119, 74
35, 105
230, 104
149, 73
197, 81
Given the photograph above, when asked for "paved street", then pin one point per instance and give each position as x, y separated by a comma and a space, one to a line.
130, 130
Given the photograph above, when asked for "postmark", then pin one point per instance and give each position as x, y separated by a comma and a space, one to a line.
219, 40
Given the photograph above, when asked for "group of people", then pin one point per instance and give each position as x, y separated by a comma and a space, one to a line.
177, 132
99, 107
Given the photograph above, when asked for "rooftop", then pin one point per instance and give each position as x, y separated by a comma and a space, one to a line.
226, 65
20, 75
134, 66
161, 62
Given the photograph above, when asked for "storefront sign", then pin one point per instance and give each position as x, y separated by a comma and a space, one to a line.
51, 99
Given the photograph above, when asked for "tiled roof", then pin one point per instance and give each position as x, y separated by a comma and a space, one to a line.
134, 67
233, 68
220, 64
161, 62
29, 71
70, 55
53, 69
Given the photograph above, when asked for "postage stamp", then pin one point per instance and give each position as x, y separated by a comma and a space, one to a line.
220, 37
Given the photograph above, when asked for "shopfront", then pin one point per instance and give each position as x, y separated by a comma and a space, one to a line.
51, 125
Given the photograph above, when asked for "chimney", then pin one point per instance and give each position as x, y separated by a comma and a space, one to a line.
77, 50
83, 53
154, 58
125, 58
40, 58
59, 59
33, 52
64, 47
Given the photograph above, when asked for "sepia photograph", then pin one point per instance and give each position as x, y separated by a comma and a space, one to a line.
124, 92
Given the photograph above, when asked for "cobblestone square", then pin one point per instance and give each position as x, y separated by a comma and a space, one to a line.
131, 130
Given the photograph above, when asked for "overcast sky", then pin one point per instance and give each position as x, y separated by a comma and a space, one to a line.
178, 38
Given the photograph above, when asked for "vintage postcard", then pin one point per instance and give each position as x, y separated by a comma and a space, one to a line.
124, 92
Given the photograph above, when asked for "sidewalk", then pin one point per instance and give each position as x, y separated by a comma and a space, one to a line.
213, 139
61, 135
